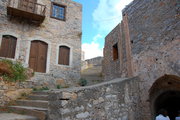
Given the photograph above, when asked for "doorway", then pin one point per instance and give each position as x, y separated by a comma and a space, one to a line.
170, 101
38, 56
165, 94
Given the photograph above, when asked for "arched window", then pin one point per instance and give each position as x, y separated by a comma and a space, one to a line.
8, 46
64, 55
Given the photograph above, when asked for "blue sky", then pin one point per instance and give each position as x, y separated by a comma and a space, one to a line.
99, 18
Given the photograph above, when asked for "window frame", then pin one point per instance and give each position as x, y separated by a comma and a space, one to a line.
69, 58
60, 5
15, 47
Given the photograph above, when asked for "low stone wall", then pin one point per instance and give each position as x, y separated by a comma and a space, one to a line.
114, 100
12, 91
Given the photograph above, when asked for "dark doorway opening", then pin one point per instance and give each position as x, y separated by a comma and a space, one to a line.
170, 101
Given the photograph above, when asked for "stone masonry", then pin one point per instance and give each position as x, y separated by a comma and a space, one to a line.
114, 100
53, 32
148, 45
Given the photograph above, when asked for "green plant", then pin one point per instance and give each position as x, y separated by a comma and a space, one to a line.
58, 86
12, 71
23, 95
82, 82
41, 89
35, 89
44, 88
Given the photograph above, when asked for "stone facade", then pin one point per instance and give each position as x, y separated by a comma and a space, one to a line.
53, 32
114, 100
148, 44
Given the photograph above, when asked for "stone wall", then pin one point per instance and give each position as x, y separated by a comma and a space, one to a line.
153, 41
97, 61
114, 100
53, 32
120, 67
12, 91
154, 35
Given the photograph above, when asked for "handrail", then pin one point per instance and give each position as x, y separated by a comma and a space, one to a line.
38, 8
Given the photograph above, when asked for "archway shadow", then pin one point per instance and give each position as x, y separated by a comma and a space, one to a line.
165, 93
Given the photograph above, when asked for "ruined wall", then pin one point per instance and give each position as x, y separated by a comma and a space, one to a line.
153, 42
114, 100
97, 61
120, 67
52, 31
112, 68
154, 35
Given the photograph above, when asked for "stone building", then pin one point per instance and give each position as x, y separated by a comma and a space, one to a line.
147, 44
44, 35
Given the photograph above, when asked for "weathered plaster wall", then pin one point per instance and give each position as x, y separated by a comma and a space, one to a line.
114, 100
52, 31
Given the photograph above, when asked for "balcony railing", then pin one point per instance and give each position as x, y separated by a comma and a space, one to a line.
26, 9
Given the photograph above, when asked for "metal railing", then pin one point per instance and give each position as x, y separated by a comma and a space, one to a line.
28, 6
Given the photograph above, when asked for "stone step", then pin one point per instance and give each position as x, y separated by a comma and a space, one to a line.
32, 111
33, 103
38, 97
12, 116
45, 92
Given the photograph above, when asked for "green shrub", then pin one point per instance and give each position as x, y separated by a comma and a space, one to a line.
40, 89
18, 72
82, 82
44, 88
58, 86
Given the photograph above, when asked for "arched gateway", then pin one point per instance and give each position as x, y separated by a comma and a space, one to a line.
165, 93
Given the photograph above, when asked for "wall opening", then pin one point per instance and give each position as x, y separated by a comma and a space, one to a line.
115, 51
38, 56
170, 101
165, 93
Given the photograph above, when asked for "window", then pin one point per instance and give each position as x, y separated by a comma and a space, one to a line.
8, 46
58, 11
115, 51
64, 55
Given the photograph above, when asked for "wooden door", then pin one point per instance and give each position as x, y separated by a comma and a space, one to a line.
38, 56
27, 5
64, 54
8, 46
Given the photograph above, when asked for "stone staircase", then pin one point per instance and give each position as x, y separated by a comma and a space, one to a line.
35, 107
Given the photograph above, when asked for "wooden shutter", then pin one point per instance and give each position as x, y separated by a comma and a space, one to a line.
8, 46
38, 56
64, 55
27, 5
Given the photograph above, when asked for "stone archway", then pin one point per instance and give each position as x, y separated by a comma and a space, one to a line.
165, 93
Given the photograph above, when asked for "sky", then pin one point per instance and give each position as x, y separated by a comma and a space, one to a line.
99, 17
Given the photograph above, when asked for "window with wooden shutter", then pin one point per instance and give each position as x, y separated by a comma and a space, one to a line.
64, 55
115, 51
8, 46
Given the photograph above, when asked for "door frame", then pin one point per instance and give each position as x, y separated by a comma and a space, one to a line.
48, 52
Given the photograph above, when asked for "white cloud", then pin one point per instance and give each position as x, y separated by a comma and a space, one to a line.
93, 49
108, 14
